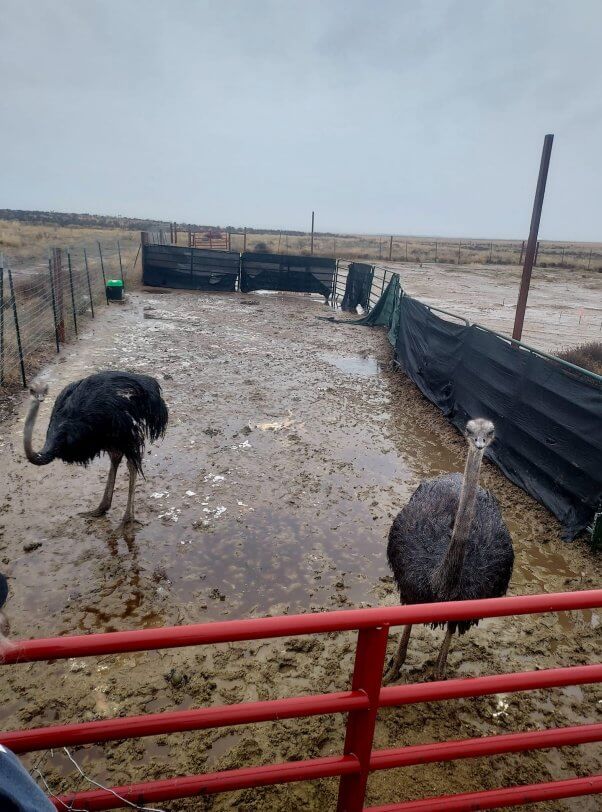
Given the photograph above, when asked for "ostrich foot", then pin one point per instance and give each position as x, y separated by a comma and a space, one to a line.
436, 675
129, 523
94, 514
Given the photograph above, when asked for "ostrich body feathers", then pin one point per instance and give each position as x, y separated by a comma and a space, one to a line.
420, 535
109, 411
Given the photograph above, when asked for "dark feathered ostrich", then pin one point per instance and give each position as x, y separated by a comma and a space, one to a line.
112, 412
5, 645
450, 543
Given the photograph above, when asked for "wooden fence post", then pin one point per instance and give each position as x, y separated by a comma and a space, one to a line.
74, 309
53, 297
102, 267
57, 264
17, 331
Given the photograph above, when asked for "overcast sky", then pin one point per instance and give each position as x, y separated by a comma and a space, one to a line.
393, 117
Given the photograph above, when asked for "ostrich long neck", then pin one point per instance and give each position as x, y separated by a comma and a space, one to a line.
448, 575
36, 457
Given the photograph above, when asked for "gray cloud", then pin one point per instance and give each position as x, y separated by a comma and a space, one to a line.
415, 117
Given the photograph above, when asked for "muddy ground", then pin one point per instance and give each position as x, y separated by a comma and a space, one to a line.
291, 446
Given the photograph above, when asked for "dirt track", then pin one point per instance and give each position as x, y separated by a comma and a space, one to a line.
291, 446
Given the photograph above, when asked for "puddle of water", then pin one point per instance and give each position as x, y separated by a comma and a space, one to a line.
353, 364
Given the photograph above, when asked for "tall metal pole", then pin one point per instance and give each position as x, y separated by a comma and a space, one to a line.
532, 241
312, 233
390, 248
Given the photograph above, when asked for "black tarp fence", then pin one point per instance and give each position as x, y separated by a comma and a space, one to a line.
358, 286
548, 418
189, 268
300, 274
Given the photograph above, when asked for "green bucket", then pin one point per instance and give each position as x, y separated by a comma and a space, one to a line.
115, 289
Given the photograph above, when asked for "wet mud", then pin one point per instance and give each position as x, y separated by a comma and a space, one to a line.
292, 444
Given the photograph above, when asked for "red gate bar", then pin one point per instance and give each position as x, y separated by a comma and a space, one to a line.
497, 798
230, 631
153, 724
485, 746
193, 785
361, 704
246, 778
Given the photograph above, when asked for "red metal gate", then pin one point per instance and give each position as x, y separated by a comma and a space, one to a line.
361, 703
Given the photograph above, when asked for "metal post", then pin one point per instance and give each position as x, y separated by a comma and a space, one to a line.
312, 233
229, 241
189, 238
191, 268
335, 283
562, 257
72, 292
436, 250
1, 319
53, 297
57, 265
367, 676
390, 248
88, 278
102, 267
244, 241
279, 239
536, 254
120, 265
490, 251
532, 244
459, 249
17, 331
522, 249
589, 261
175, 233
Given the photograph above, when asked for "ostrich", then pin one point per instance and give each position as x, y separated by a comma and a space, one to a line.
5, 645
112, 412
450, 543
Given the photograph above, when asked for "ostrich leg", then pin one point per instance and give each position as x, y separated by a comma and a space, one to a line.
396, 662
105, 502
128, 518
439, 672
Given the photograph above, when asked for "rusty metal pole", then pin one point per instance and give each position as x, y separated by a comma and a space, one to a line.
532, 243
312, 233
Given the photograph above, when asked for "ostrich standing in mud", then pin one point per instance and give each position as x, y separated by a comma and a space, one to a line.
111, 412
450, 543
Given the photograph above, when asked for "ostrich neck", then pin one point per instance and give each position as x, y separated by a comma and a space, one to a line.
448, 574
37, 458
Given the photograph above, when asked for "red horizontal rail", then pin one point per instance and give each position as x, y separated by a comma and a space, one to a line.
497, 798
485, 746
128, 727
189, 786
493, 684
246, 778
264, 628
153, 724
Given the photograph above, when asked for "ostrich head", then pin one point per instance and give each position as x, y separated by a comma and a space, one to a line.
38, 390
479, 433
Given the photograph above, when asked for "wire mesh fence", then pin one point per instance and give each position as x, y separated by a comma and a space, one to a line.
46, 304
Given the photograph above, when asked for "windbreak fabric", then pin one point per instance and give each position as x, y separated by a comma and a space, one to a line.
358, 286
300, 274
176, 266
548, 420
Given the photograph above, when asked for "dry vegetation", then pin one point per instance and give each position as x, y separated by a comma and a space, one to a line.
28, 244
588, 356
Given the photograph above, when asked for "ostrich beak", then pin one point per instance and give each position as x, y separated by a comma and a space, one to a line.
479, 443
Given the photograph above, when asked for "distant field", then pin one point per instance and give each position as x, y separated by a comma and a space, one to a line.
423, 249
28, 240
